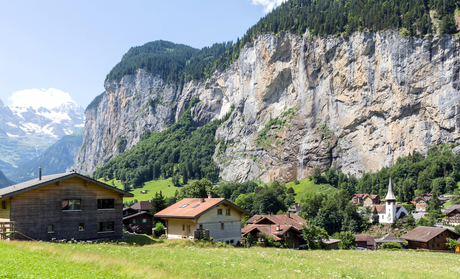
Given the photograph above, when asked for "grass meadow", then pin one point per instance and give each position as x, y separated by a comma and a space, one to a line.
185, 259
307, 185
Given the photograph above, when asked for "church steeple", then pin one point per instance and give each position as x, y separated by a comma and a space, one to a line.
390, 195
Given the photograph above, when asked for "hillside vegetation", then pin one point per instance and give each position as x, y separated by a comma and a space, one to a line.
184, 259
180, 150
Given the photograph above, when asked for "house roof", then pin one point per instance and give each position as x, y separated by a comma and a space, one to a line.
193, 208
137, 214
142, 205
364, 237
282, 219
453, 208
373, 197
388, 238
358, 195
330, 241
49, 179
425, 234
270, 230
420, 198
296, 207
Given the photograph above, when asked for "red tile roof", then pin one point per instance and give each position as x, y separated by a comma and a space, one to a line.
193, 208
425, 234
270, 230
282, 219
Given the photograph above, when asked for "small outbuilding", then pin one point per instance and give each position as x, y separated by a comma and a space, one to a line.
431, 238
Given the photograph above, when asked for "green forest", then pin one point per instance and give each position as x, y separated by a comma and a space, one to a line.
178, 64
180, 150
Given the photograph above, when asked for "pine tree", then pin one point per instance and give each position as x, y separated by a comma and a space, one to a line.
375, 217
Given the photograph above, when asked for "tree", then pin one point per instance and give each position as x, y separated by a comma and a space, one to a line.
448, 25
375, 217
184, 176
158, 203
196, 189
314, 236
311, 203
409, 222
159, 229
316, 175
175, 180
452, 243
348, 240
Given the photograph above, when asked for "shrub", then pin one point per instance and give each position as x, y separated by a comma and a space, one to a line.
159, 229
391, 245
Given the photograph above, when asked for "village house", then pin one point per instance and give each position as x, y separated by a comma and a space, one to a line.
420, 203
358, 198
64, 206
141, 220
371, 200
295, 208
453, 215
432, 238
284, 228
364, 241
142, 206
212, 217
389, 211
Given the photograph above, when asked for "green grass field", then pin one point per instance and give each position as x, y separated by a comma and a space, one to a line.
184, 259
165, 186
307, 185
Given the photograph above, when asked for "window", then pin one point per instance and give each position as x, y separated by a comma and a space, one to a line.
134, 221
222, 226
196, 205
287, 234
144, 220
219, 211
3, 204
231, 241
201, 227
183, 227
437, 245
71, 205
184, 205
105, 204
81, 227
105, 226
227, 212
50, 228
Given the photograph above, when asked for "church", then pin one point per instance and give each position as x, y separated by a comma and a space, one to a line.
389, 211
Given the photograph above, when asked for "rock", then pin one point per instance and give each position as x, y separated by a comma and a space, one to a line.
356, 103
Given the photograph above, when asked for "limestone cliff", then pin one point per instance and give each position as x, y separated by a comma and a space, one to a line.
355, 103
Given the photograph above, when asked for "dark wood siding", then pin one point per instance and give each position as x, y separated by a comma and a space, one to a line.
144, 227
34, 210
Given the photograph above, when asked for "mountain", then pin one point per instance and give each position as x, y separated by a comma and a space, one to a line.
25, 132
355, 101
58, 158
5, 182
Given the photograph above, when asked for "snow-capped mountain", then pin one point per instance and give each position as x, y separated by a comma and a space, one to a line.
48, 125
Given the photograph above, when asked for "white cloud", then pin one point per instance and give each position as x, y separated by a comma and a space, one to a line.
268, 4
36, 98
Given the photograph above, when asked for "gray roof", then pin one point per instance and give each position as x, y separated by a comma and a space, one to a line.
137, 214
453, 207
388, 238
49, 179
390, 195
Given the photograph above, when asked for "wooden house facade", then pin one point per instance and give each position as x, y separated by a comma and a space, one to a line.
142, 220
453, 215
64, 206
371, 200
431, 238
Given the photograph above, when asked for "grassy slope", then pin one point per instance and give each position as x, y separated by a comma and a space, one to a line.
306, 185
165, 186
182, 259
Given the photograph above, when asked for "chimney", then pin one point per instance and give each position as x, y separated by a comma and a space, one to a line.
288, 215
209, 195
202, 200
277, 228
39, 173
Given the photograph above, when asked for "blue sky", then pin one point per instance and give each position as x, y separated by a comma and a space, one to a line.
72, 45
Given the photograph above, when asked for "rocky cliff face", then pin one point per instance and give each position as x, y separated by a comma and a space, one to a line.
356, 103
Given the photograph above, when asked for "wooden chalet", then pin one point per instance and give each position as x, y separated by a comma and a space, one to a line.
371, 200
286, 228
431, 238
358, 198
142, 220
64, 206
364, 241
421, 203
295, 208
142, 206
453, 215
